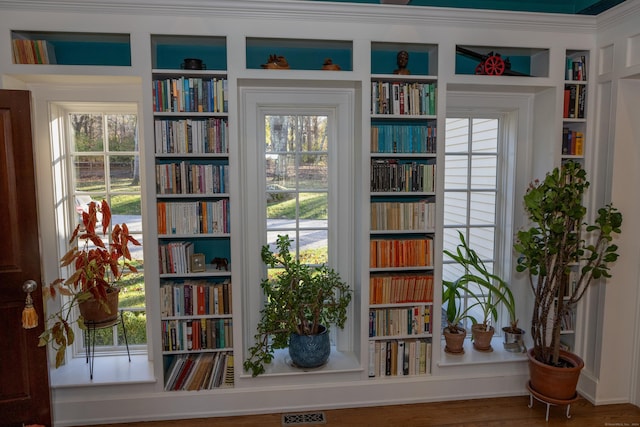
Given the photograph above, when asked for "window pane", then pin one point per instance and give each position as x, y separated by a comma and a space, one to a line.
455, 172
87, 132
483, 171
313, 210
312, 173
481, 239
455, 208
485, 135
314, 247
121, 130
483, 208
457, 131
89, 173
280, 171
124, 173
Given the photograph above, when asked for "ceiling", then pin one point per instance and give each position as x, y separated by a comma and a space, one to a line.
571, 7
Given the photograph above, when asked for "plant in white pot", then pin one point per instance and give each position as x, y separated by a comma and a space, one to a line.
301, 302
488, 290
557, 241
92, 286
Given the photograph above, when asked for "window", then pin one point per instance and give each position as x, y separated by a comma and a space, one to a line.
470, 191
297, 178
99, 145
296, 172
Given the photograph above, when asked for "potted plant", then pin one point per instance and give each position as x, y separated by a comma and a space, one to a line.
488, 290
92, 287
454, 332
301, 303
557, 241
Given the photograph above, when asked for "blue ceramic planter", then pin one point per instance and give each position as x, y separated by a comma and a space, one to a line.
310, 351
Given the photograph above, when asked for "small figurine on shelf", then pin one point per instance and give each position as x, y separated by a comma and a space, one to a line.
403, 60
193, 64
220, 263
329, 65
276, 62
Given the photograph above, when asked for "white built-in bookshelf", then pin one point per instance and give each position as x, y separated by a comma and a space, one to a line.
402, 207
190, 105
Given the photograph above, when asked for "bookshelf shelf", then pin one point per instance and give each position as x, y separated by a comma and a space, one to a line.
300, 54
71, 48
192, 202
402, 199
518, 62
574, 118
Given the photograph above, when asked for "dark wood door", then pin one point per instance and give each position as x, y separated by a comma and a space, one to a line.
24, 376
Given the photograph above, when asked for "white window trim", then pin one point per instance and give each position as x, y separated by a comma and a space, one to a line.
338, 104
47, 140
516, 111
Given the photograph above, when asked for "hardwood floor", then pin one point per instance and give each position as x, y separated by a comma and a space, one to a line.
507, 411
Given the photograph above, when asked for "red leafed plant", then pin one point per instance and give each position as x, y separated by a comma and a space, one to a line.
97, 269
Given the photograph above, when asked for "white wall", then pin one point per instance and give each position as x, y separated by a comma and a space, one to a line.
362, 24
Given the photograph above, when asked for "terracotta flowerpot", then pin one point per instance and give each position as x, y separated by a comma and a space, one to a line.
557, 383
454, 341
93, 312
481, 337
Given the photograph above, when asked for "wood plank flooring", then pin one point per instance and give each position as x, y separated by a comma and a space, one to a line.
504, 411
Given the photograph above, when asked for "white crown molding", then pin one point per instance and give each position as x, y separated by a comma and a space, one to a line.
622, 12
319, 11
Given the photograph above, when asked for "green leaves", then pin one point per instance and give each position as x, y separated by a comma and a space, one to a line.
299, 299
558, 240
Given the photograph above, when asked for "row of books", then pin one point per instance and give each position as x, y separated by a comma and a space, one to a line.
566, 319
402, 138
191, 178
393, 175
195, 297
33, 52
577, 68
400, 321
197, 136
197, 334
394, 358
403, 98
384, 253
204, 371
400, 288
191, 94
418, 216
175, 257
204, 217
575, 98
572, 142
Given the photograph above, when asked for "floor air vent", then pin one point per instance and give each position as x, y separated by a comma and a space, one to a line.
303, 418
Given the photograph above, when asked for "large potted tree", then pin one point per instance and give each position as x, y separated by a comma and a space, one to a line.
487, 291
90, 293
301, 302
557, 241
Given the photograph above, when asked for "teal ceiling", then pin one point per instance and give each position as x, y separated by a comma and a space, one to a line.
572, 7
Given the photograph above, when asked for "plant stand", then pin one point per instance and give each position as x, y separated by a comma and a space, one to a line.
549, 401
90, 338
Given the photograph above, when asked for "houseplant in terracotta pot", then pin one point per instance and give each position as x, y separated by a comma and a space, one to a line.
454, 332
92, 288
558, 240
301, 303
487, 290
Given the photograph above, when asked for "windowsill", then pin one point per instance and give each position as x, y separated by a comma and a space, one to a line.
107, 370
475, 357
338, 362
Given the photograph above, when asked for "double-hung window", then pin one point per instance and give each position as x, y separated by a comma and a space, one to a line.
97, 157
